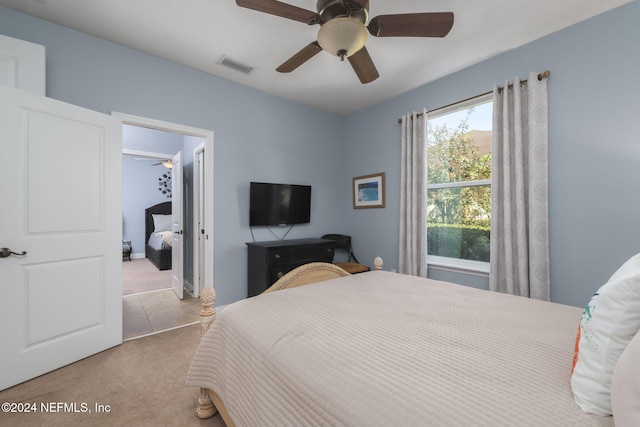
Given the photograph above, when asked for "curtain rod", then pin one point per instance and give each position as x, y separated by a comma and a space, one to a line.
541, 76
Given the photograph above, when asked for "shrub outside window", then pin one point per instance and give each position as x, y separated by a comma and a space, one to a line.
459, 184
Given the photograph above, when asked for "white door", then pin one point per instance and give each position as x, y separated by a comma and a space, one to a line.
22, 65
177, 219
60, 202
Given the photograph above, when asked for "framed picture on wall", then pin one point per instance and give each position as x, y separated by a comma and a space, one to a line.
369, 191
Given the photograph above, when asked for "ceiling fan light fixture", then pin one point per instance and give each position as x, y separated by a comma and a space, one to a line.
342, 36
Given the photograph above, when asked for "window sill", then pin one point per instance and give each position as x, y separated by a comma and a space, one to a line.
478, 268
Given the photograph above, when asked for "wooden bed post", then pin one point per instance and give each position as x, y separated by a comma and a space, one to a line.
208, 312
206, 408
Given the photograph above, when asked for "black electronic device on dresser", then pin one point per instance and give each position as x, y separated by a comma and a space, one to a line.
269, 261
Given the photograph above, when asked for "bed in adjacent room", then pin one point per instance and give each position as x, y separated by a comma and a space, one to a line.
385, 349
158, 235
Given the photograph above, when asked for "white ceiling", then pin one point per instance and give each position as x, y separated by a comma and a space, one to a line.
198, 33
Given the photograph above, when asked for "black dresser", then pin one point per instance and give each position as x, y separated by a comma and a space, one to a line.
269, 261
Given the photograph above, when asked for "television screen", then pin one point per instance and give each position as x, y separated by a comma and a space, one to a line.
279, 204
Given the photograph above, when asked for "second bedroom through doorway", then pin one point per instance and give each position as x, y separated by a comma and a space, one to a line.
149, 302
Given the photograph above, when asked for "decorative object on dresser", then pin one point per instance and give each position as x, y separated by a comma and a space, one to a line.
269, 261
157, 250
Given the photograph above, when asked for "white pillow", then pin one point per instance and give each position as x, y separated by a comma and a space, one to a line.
161, 222
625, 386
608, 323
629, 268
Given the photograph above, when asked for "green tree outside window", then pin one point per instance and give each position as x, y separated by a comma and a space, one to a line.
459, 195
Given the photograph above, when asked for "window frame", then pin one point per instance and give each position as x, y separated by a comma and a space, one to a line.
481, 268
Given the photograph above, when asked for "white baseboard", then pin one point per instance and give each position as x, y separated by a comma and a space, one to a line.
137, 256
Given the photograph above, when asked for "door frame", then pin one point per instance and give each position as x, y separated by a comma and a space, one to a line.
207, 136
199, 202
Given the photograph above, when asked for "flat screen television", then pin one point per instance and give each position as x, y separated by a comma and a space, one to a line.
279, 204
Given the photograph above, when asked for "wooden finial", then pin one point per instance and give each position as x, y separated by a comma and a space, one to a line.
208, 312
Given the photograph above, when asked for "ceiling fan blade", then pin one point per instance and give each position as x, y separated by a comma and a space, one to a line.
278, 8
412, 25
363, 66
303, 55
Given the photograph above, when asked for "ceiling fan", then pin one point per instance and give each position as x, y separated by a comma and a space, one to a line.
343, 30
167, 163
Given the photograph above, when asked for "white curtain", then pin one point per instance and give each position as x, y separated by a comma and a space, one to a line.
413, 196
519, 190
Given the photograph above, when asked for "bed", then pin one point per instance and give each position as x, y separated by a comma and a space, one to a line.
157, 220
379, 348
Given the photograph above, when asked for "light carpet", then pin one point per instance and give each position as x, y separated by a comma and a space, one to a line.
142, 382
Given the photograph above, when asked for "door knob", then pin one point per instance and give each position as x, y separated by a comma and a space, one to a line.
5, 252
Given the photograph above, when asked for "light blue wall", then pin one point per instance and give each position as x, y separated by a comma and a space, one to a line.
256, 136
594, 150
139, 191
138, 138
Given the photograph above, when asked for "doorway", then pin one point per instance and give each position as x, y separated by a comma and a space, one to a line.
197, 264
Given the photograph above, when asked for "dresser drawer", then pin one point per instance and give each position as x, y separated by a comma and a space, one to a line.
290, 254
278, 271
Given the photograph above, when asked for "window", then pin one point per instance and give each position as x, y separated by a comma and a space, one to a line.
459, 185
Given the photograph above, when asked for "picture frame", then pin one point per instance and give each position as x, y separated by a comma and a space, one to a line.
369, 191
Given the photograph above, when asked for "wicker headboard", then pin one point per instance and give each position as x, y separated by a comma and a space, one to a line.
163, 208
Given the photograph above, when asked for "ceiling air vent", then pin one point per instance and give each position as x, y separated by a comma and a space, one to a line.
235, 65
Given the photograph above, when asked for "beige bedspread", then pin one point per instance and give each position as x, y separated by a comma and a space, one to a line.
382, 349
